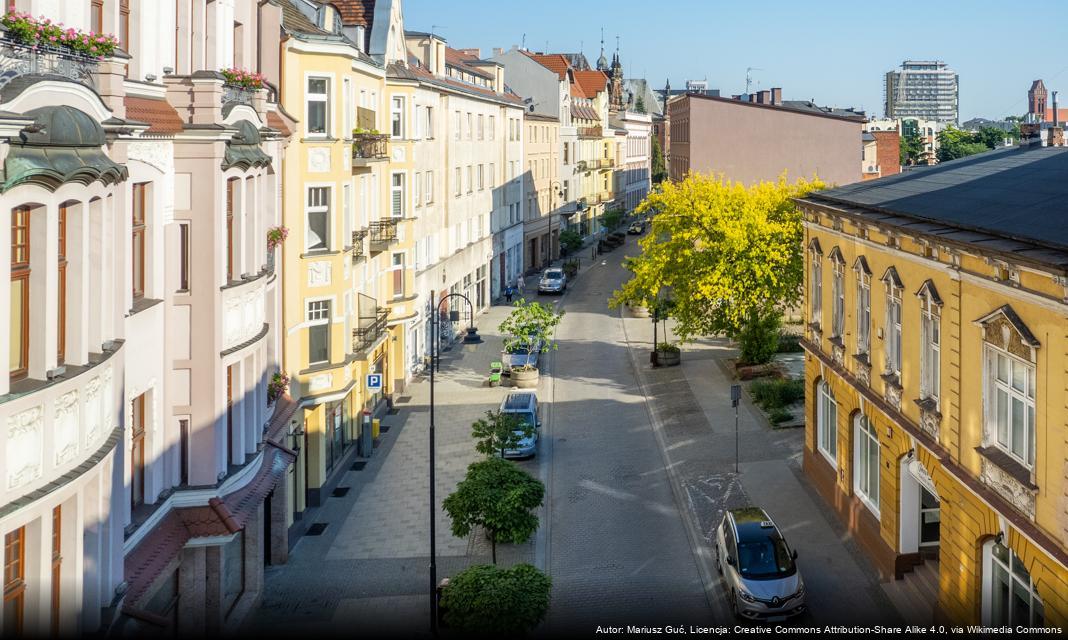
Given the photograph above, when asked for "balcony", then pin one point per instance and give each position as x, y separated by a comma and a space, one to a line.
370, 325
357, 249
17, 59
235, 95
383, 233
589, 132
582, 166
368, 148
607, 163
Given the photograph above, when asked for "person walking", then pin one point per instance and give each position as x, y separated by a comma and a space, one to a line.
509, 291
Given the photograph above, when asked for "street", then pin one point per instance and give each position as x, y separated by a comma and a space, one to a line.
638, 466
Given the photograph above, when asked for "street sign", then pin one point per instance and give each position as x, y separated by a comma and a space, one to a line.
736, 394
374, 382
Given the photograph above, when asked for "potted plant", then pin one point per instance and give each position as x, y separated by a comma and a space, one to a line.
528, 330
638, 309
25, 29
243, 78
668, 355
276, 236
277, 387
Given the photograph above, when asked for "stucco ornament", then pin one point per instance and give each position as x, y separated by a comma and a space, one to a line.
319, 274
25, 443
1008, 487
155, 154
318, 160
243, 315
320, 382
93, 411
65, 427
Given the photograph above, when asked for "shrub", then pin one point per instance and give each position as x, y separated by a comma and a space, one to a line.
779, 415
775, 394
485, 598
571, 268
570, 240
666, 347
759, 337
789, 343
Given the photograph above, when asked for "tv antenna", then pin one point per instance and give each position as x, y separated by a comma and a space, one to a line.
434, 28
749, 77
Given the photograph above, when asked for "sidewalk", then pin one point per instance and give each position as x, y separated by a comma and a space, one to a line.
692, 410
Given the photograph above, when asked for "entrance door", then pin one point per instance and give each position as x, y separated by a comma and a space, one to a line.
930, 518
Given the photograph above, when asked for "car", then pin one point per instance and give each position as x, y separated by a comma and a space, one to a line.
636, 229
523, 405
553, 280
758, 567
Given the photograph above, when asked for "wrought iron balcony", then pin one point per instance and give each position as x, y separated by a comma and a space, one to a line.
589, 132
369, 147
236, 94
357, 249
17, 59
383, 234
371, 324
607, 163
581, 166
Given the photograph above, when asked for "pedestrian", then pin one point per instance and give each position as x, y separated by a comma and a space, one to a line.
509, 291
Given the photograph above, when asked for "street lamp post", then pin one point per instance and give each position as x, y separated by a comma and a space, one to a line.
472, 337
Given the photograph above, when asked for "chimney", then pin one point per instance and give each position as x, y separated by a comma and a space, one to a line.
472, 52
1055, 137
776, 95
497, 51
764, 97
437, 65
736, 96
1055, 121
1030, 135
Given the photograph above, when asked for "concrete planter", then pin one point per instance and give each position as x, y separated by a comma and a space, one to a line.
525, 378
638, 312
669, 358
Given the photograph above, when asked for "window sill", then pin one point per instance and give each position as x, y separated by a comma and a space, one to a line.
1009, 465
892, 380
319, 366
140, 304
313, 138
319, 253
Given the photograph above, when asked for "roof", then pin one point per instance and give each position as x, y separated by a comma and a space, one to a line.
554, 62
808, 105
529, 115
293, 20
1009, 200
415, 71
275, 121
518, 401
592, 82
796, 106
355, 12
867, 137
465, 61
748, 522
158, 113
584, 112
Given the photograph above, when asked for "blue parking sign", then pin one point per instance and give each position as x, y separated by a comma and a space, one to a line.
374, 381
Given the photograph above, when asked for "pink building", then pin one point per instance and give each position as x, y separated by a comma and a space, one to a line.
759, 139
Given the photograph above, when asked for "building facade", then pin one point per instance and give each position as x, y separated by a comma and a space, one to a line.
935, 377
922, 89
543, 191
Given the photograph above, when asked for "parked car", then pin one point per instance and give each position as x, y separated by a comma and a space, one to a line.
636, 228
553, 280
758, 567
524, 405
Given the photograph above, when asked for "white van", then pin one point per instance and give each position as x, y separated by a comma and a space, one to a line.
525, 406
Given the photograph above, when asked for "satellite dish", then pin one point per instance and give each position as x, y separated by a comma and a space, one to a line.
532, 108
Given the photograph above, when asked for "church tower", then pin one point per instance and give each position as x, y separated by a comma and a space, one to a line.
615, 83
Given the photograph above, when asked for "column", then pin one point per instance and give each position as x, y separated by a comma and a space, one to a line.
95, 271
79, 304
89, 552
44, 307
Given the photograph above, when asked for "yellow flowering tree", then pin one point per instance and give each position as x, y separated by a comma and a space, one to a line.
729, 255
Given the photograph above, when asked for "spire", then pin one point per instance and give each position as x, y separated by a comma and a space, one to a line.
602, 62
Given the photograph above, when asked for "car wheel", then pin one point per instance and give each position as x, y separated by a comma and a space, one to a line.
734, 606
719, 563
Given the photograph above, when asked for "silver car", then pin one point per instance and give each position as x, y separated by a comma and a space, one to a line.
552, 280
758, 568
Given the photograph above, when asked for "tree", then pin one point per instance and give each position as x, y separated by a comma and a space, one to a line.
498, 432
759, 338
659, 169
610, 219
570, 240
639, 105
911, 148
731, 255
485, 598
992, 137
530, 327
498, 496
955, 143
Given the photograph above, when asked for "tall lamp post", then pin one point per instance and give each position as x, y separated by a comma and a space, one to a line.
471, 337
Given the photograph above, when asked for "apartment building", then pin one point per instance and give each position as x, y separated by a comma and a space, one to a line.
935, 310
633, 175
139, 210
923, 89
594, 149
541, 229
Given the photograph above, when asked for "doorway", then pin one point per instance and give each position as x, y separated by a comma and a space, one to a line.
920, 527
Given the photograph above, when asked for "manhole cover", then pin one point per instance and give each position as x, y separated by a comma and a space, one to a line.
340, 492
316, 529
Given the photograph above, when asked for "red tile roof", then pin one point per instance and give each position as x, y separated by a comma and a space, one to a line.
592, 82
158, 113
554, 62
359, 12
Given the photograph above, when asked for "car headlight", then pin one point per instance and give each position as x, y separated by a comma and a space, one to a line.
746, 596
800, 591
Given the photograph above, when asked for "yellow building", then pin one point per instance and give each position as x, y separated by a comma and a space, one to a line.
343, 210
936, 314
541, 157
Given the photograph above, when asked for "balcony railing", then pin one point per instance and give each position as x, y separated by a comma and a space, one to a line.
358, 251
383, 233
369, 147
371, 324
234, 94
17, 59
582, 166
607, 163
589, 132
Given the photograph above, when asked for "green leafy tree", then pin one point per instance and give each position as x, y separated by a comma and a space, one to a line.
485, 598
659, 168
955, 143
498, 432
530, 327
570, 240
731, 255
758, 339
611, 219
639, 105
992, 137
499, 497
911, 148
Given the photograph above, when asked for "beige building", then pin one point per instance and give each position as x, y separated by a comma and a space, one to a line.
541, 159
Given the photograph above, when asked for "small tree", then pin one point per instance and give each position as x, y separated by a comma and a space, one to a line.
498, 432
485, 598
611, 219
498, 496
529, 328
659, 168
639, 105
758, 339
570, 240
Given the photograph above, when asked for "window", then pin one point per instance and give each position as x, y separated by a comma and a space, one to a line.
96, 16
565, 154
429, 128
231, 232
470, 179
318, 331
20, 292
429, 187
470, 127
317, 236
492, 127
124, 25
827, 424
350, 111
397, 195
137, 250
492, 175
816, 287
838, 302
183, 257
318, 106
1010, 404
417, 184
481, 177
1009, 595
863, 307
398, 275
459, 185
61, 287
183, 451
347, 214
14, 582
57, 565
481, 127
137, 452
931, 344
893, 327
397, 117
866, 462
459, 126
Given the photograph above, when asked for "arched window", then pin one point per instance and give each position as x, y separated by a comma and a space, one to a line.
827, 423
20, 293
866, 462
1009, 595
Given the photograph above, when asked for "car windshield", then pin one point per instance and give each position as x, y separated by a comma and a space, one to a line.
765, 559
554, 275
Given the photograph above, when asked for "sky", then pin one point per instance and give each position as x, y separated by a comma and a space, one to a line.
835, 53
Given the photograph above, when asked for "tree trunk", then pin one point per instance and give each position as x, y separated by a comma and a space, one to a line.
493, 546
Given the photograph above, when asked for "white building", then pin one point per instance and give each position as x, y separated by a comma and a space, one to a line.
633, 176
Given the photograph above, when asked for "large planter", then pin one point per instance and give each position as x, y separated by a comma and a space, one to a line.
669, 358
525, 378
638, 312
